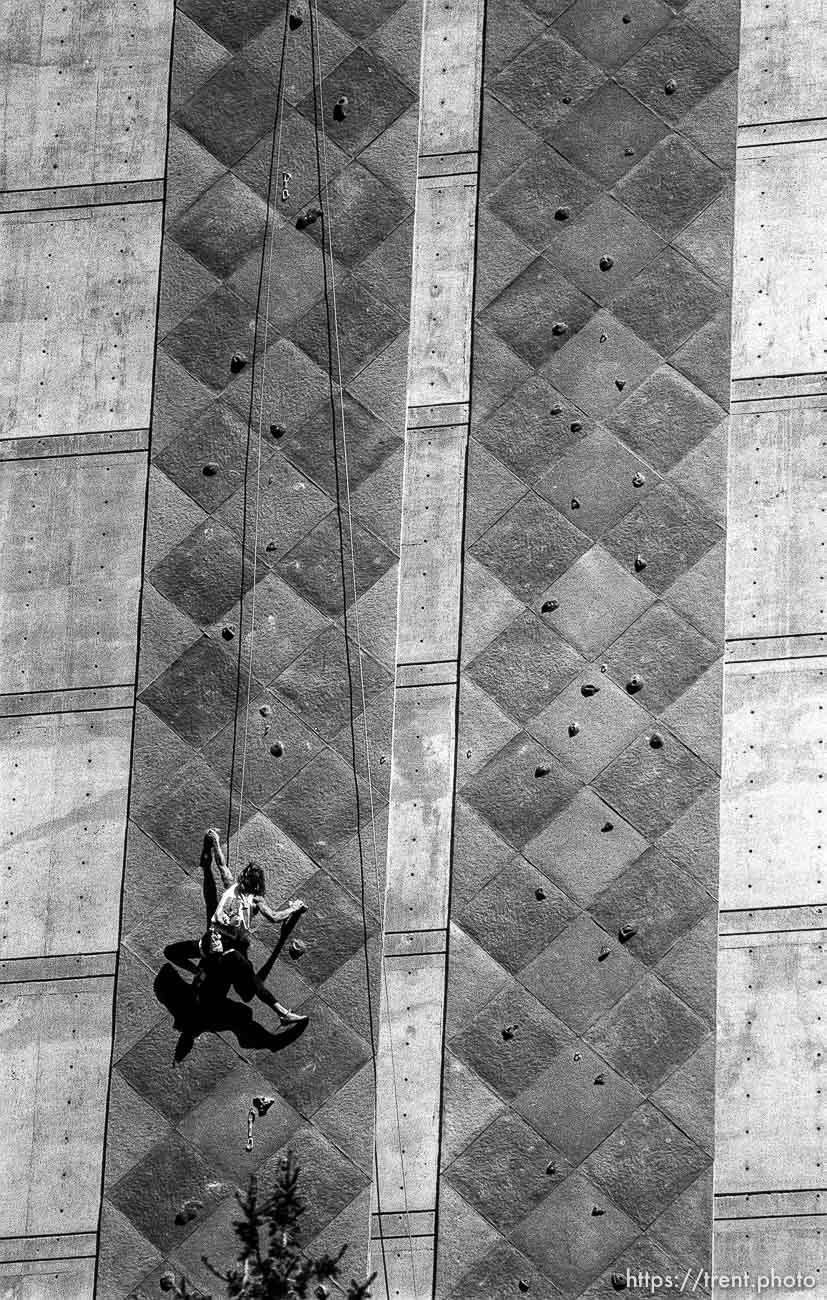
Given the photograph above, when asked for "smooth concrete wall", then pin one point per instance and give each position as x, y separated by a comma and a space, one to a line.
770, 1111
84, 138
423, 762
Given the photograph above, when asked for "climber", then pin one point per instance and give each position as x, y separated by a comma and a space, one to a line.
225, 962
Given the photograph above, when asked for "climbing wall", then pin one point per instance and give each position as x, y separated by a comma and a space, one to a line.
177, 1134
577, 1126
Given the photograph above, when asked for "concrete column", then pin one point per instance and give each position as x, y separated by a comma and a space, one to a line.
770, 1111
409, 1062
81, 197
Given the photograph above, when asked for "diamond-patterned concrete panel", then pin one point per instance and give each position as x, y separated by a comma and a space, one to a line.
530, 546
594, 601
657, 898
596, 483
630, 165
603, 248
664, 653
580, 975
586, 730
503, 1174
585, 847
607, 132
538, 312
675, 70
525, 667
543, 83
521, 789
515, 915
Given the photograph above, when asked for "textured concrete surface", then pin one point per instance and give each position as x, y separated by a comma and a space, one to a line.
595, 531
770, 1112
83, 123
421, 805
177, 1133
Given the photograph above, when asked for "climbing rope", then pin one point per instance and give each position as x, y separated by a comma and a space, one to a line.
275, 163
335, 349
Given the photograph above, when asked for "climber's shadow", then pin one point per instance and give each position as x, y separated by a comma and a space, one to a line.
192, 1019
215, 1014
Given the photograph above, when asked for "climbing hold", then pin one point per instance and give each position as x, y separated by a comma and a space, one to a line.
620, 384
509, 1031
277, 430
576, 426
265, 710
634, 684
627, 932
576, 1056
539, 893
188, 1211
340, 108
562, 214
321, 1292
548, 606
556, 409
276, 750
566, 99
575, 504
227, 633
656, 740
599, 1080
640, 563
541, 770
210, 469
271, 546
671, 86
551, 1167
619, 1282
297, 11
639, 479
166, 1281
574, 728
237, 362
263, 1104
607, 826
606, 262
522, 1284
308, 218
588, 688
559, 327
596, 1211
604, 338
297, 948
627, 18
604, 668
603, 954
